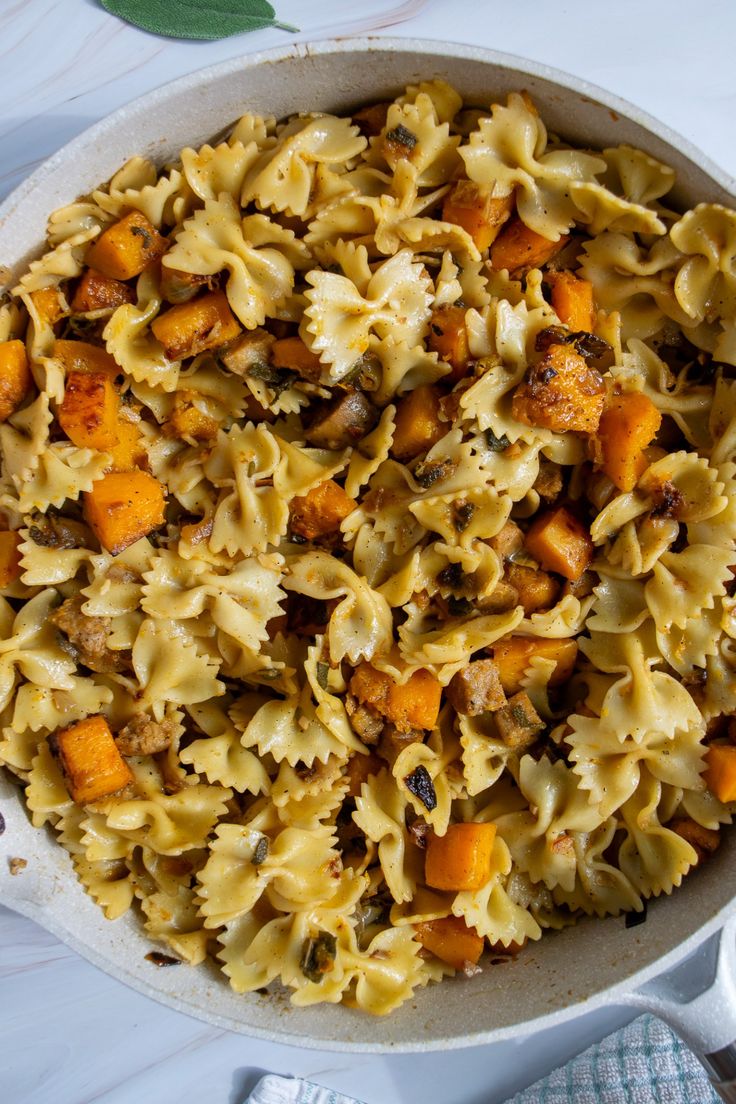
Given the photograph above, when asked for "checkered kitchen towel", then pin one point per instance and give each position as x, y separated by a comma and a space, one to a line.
644, 1063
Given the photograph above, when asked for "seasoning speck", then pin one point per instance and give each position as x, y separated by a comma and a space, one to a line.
159, 959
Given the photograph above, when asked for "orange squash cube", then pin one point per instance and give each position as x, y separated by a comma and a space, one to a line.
122, 507
720, 771
49, 304
95, 291
129, 452
81, 356
513, 655
572, 300
359, 769
417, 422
415, 704
188, 421
517, 248
293, 354
127, 247
190, 328
482, 215
628, 423
15, 377
89, 757
448, 337
451, 940
89, 411
560, 542
461, 859
10, 568
320, 512
561, 392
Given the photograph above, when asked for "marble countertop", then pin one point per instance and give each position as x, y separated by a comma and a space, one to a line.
71, 1035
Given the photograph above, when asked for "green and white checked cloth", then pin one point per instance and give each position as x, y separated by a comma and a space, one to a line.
644, 1063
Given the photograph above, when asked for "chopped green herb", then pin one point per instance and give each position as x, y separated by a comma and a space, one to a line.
318, 955
462, 515
323, 671
402, 136
497, 444
429, 472
420, 783
260, 854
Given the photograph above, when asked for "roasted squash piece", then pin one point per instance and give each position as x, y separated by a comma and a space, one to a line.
15, 377
129, 451
535, 590
81, 356
127, 247
417, 422
10, 568
561, 392
359, 769
49, 303
188, 421
513, 655
448, 337
482, 215
461, 859
517, 248
372, 119
319, 513
122, 507
720, 771
88, 413
451, 940
415, 704
95, 291
191, 328
92, 765
561, 543
628, 423
291, 353
572, 300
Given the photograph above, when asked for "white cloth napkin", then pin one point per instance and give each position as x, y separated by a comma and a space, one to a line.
643, 1063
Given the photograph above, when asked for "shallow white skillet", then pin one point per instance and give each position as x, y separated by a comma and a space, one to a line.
594, 964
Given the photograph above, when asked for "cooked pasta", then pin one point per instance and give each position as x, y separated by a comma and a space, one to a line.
368, 544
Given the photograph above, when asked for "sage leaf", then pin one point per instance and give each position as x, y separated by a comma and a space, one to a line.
196, 19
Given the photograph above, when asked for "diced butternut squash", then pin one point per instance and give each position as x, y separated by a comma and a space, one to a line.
451, 940
536, 590
191, 328
95, 291
320, 512
81, 356
517, 248
720, 771
482, 215
127, 247
89, 757
49, 303
415, 704
180, 287
129, 452
418, 423
188, 421
560, 542
461, 859
372, 119
572, 300
197, 532
628, 423
704, 841
15, 377
513, 655
122, 507
89, 411
10, 568
561, 392
359, 770
291, 353
448, 337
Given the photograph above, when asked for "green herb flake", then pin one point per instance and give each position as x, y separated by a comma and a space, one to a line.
402, 136
323, 672
318, 955
260, 854
193, 19
496, 444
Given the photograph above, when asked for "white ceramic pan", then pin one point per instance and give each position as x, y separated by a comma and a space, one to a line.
594, 964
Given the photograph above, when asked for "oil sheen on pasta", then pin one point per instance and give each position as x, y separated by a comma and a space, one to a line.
368, 551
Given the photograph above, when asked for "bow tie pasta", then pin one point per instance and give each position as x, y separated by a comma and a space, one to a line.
368, 542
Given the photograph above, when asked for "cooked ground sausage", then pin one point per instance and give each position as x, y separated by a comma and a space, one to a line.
144, 736
518, 722
476, 689
366, 724
88, 636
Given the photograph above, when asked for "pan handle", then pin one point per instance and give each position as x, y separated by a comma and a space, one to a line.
698, 1001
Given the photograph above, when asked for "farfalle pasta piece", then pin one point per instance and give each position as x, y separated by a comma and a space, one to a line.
341, 318
128, 339
259, 256
652, 856
705, 285
509, 150
379, 813
414, 132
219, 754
283, 177
601, 889
490, 911
212, 170
360, 625
137, 186
170, 668
684, 583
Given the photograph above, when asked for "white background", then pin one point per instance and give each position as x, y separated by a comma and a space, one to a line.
69, 1034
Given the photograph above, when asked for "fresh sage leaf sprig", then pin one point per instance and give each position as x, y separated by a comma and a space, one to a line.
200, 19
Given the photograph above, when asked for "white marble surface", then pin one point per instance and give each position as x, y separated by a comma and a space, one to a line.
71, 1035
